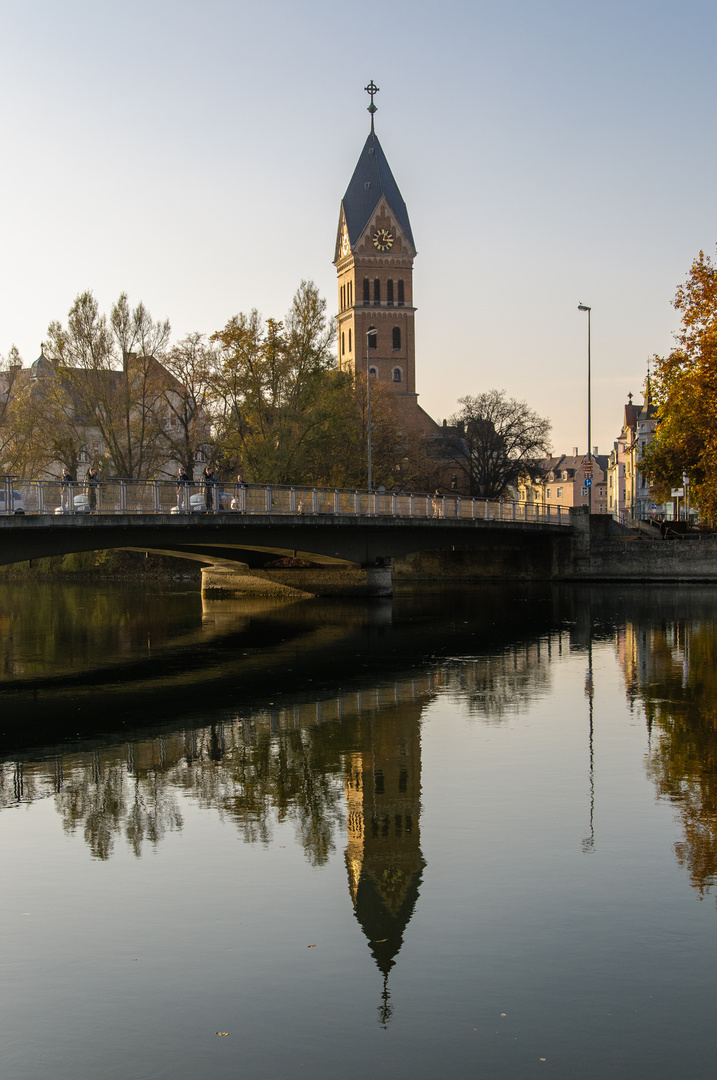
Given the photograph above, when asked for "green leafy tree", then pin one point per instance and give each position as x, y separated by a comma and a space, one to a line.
684, 390
276, 393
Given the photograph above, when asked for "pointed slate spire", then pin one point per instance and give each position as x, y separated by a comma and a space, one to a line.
371, 180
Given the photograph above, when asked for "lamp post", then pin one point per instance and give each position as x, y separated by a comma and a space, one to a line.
369, 334
584, 307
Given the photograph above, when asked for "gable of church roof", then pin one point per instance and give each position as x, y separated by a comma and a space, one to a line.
372, 180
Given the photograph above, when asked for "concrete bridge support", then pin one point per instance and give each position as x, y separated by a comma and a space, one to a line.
223, 581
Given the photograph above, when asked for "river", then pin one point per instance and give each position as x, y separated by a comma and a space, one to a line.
467, 832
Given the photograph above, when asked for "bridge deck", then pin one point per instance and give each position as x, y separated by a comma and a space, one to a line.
359, 539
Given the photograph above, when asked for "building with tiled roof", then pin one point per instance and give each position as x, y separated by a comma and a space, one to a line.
563, 483
628, 490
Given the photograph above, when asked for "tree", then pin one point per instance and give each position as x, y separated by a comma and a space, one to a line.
109, 380
186, 399
16, 428
495, 442
275, 390
684, 389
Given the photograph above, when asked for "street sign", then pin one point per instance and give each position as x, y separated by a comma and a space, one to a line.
588, 481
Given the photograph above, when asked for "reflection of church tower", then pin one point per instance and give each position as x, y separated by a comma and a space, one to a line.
383, 856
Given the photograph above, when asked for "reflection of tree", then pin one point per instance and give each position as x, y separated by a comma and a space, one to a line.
105, 801
674, 669
250, 772
62, 621
288, 766
500, 682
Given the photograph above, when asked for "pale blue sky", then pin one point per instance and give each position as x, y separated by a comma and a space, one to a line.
195, 155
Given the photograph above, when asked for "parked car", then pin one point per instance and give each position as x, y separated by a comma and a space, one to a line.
197, 503
18, 506
81, 505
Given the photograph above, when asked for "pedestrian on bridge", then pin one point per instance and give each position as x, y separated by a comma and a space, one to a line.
183, 483
92, 488
209, 483
66, 484
239, 502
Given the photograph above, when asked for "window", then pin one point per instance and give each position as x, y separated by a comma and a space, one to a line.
372, 337
376, 291
559, 493
547, 493
366, 291
397, 376
373, 371
397, 337
349, 339
343, 344
351, 293
400, 294
389, 292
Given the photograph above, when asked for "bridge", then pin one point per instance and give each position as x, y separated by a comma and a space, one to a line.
257, 524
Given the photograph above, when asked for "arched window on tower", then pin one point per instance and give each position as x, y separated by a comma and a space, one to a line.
389, 292
366, 291
351, 294
343, 345
372, 337
401, 298
397, 375
376, 291
397, 337
349, 340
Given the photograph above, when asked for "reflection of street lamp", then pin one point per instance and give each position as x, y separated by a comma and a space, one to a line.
372, 332
588, 844
584, 307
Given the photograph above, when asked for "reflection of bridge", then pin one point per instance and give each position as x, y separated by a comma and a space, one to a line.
323, 526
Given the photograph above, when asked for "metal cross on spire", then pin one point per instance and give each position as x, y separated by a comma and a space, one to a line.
372, 89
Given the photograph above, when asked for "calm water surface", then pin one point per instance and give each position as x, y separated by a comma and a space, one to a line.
464, 834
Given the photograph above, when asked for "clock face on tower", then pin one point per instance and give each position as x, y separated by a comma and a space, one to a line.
383, 240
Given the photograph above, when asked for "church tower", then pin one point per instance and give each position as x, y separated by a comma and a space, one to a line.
374, 261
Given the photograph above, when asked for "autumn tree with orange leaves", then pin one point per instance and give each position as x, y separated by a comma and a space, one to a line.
684, 389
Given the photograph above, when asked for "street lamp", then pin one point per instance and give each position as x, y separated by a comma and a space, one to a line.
369, 333
584, 307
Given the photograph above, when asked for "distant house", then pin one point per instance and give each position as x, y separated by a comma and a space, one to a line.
126, 421
628, 491
563, 482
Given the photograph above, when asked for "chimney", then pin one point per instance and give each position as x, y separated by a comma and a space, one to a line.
595, 451
575, 451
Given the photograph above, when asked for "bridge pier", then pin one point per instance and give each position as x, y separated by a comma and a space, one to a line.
239, 580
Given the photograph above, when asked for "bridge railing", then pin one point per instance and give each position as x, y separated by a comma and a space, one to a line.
165, 497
